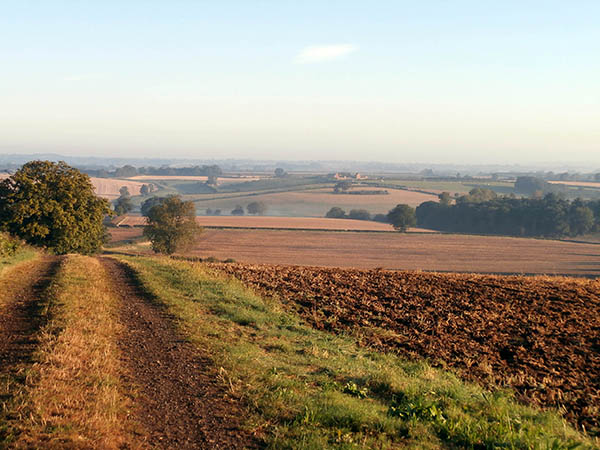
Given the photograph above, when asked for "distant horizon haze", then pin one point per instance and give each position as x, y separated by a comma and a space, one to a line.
462, 82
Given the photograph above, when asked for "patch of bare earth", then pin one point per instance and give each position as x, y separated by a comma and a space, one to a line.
21, 317
181, 403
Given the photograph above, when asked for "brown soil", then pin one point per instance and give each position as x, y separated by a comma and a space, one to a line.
181, 404
539, 336
399, 251
21, 318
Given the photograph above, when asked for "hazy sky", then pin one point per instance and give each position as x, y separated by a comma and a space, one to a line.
416, 81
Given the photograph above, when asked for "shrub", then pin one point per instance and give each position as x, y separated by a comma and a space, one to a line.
359, 214
8, 245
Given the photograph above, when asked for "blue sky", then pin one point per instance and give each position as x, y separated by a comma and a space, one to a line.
438, 81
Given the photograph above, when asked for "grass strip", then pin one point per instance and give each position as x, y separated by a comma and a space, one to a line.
24, 253
73, 397
311, 390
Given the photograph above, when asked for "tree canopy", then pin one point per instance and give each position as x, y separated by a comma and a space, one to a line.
172, 225
53, 205
402, 217
258, 208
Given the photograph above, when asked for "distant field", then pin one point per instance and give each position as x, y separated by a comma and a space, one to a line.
454, 187
108, 187
192, 178
315, 203
431, 252
587, 184
305, 223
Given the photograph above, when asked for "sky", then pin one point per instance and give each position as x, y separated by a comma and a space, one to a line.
399, 81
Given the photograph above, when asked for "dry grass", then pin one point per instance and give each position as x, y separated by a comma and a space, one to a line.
73, 397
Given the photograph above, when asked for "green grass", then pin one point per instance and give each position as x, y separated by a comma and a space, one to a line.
24, 253
310, 389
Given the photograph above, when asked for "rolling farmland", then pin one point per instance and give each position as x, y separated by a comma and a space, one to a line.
315, 202
537, 335
432, 252
305, 223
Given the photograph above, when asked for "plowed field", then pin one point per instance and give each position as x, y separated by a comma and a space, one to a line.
541, 336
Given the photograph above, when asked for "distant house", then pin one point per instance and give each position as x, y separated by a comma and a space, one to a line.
348, 176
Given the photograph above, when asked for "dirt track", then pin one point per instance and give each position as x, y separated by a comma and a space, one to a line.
20, 319
180, 404
538, 335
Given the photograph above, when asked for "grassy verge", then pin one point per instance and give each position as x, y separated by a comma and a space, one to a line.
313, 390
24, 253
73, 397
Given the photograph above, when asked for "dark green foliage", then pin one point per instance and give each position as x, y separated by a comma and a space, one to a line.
342, 186
402, 217
149, 203
237, 211
123, 205
359, 214
172, 225
145, 189
53, 205
549, 216
380, 218
256, 208
124, 191
8, 245
336, 213
530, 185
279, 172
126, 172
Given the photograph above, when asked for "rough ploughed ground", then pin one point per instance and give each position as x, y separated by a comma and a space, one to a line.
181, 404
541, 336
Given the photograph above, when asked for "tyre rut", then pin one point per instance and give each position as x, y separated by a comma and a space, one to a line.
180, 404
21, 318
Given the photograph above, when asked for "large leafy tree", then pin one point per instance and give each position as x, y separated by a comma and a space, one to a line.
53, 205
172, 225
402, 217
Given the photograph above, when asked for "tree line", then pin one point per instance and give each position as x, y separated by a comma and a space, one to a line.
129, 171
483, 212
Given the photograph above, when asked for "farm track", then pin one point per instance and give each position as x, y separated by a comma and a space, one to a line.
21, 318
180, 403
539, 336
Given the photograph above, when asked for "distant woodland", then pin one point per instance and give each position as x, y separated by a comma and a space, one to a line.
483, 212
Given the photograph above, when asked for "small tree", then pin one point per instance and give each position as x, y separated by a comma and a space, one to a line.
145, 189
256, 208
279, 172
342, 186
123, 205
237, 211
402, 217
124, 191
53, 205
336, 213
172, 225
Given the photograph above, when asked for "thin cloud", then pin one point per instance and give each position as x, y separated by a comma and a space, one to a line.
321, 53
